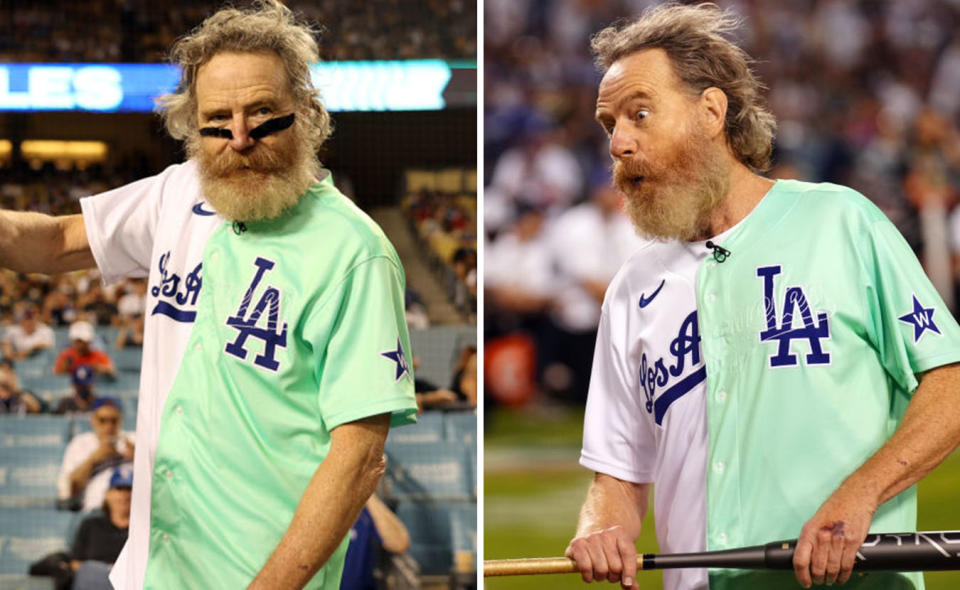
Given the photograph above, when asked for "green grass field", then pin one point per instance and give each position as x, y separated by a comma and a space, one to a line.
533, 488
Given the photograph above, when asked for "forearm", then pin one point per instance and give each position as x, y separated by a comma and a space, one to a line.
930, 431
611, 502
34, 242
81, 475
393, 533
329, 505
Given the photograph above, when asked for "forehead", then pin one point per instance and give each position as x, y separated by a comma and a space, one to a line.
231, 76
648, 71
106, 411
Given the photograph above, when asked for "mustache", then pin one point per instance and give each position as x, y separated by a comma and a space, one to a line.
258, 159
624, 171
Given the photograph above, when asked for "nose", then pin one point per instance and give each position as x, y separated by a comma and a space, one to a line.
241, 134
623, 143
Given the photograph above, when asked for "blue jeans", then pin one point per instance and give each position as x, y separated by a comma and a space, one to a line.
92, 575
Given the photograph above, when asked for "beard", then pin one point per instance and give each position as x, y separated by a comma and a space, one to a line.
259, 184
675, 200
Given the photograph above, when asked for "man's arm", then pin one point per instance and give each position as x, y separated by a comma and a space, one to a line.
393, 534
609, 526
34, 242
929, 432
330, 504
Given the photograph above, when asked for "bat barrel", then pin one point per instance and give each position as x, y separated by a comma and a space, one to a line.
531, 566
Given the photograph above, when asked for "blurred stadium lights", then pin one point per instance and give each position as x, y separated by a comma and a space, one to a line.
79, 152
411, 85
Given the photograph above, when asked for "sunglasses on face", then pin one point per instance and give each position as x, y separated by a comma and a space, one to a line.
107, 419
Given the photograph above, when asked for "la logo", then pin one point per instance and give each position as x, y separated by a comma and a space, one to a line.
813, 331
272, 335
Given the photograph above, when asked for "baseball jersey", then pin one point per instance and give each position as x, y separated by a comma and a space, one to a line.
810, 334
288, 304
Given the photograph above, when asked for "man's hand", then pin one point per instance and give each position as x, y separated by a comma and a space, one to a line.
828, 543
106, 450
606, 554
129, 449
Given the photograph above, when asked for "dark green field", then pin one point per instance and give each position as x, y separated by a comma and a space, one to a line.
533, 488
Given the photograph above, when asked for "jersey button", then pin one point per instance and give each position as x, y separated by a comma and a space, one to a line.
721, 396
719, 466
712, 297
197, 347
216, 256
166, 537
179, 410
168, 474
722, 538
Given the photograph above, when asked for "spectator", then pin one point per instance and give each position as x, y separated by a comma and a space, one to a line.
28, 337
80, 352
83, 395
377, 529
464, 384
90, 457
101, 536
429, 395
13, 400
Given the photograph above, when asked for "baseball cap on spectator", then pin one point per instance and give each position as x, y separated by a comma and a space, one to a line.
122, 477
81, 331
82, 375
106, 401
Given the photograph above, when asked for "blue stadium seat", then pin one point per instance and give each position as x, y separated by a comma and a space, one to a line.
39, 365
47, 385
21, 582
28, 476
127, 359
428, 429
28, 534
437, 531
461, 426
427, 471
33, 431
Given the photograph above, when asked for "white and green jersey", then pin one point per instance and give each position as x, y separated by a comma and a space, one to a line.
748, 389
264, 341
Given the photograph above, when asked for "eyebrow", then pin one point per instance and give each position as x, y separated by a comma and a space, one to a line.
263, 102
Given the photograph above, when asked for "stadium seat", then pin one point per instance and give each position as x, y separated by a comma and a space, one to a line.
427, 471
31, 450
127, 359
28, 534
437, 530
47, 385
428, 429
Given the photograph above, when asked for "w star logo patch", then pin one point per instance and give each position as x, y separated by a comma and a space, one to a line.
398, 357
921, 318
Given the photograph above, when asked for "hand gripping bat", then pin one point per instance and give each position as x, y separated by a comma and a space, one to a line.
899, 552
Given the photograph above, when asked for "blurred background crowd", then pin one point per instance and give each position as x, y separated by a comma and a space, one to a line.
866, 94
142, 30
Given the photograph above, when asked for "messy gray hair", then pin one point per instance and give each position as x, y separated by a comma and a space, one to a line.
267, 25
693, 37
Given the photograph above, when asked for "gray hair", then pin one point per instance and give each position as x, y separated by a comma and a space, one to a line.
267, 25
693, 38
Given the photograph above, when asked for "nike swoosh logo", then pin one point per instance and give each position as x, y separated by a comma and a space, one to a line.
645, 301
199, 210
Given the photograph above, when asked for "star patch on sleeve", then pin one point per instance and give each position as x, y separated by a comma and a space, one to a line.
398, 357
921, 318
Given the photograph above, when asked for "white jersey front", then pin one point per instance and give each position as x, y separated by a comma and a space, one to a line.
157, 228
645, 419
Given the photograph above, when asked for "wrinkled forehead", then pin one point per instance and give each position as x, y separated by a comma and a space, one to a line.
648, 71
230, 76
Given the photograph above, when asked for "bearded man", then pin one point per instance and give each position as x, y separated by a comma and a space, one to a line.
775, 361
275, 345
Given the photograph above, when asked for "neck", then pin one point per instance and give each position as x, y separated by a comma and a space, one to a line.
745, 192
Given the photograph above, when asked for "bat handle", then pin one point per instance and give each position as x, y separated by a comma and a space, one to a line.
535, 566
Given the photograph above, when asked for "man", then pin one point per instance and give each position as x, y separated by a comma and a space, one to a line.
81, 353
82, 391
27, 337
760, 361
91, 457
275, 350
100, 537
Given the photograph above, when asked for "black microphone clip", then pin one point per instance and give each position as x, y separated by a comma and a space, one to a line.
719, 252
239, 227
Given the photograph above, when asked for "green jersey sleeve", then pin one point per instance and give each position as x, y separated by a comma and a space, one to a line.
361, 347
911, 327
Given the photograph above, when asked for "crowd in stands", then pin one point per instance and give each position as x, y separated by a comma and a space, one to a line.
866, 94
441, 208
142, 31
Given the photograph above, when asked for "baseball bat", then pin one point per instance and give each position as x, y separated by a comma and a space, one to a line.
899, 552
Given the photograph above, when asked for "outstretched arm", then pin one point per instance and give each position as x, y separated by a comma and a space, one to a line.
34, 242
930, 430
330, 504
609, 526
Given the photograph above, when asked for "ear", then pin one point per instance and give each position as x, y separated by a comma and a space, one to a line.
714, 109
